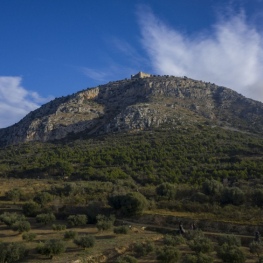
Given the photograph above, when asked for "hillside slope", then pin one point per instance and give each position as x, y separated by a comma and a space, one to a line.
137, 104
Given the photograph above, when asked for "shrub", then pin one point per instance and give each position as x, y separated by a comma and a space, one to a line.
121, 230
10, 218
104, 222
256, 248
231, 254
173, 240
59, 227
233, 195
85, 241
130, 204
13, 252
126, 259
231, 240
166, 190
45, 218
31, 209
143, 249
257, 197
201, 244
77, 220
70, 234
29, 236
168, 254
51, 247
43, 198
200, 258
189, 258
21, 226
13, 194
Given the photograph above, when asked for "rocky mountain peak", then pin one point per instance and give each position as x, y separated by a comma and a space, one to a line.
136, 104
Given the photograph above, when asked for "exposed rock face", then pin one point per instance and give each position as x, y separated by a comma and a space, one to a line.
136, 104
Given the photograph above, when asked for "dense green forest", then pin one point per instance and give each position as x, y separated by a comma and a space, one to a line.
182, 155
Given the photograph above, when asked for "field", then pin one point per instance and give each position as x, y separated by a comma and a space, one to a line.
148, 234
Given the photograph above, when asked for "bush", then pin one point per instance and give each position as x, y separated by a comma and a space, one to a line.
59, 227
168, 254
13, 252
10, 218
77, 220
85, 241
104, 222
70, 234
143, 249
45, 218
130, 204
200, 258
31, 209
43, 198
201, 244
29, 236
51, 248
232, 195
231, 240
121, 230
126, 259
13, 194
173, 240
256, 248
231, 254
166, 190
21, 226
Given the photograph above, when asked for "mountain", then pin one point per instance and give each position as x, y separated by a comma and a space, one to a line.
139, 103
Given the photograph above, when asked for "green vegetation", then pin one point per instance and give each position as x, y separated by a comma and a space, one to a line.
77, 220
85, 241
213, 177
13, 252
51, 248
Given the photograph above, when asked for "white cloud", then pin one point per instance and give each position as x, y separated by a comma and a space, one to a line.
16, 101
231, 54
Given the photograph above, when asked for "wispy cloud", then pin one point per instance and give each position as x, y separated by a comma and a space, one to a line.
16, 101
230, 54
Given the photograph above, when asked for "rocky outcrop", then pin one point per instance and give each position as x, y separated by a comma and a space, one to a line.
136, 104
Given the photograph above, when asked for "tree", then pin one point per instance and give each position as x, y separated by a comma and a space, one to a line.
29, 236
231, 254
21, 226
43, 198
45, 218
256, 248
168, 254
212, 188
10, 218
104, 222
201, 244
70, 234
85, 241
51, 247
143, 249
12, 252
231, 240
13, 194
130, 204
77, 220
257, 197
166, 190
31, 208
232, 195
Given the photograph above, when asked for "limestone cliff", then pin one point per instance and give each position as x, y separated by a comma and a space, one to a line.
137, 104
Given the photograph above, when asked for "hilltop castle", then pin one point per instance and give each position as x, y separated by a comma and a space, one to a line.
140, 75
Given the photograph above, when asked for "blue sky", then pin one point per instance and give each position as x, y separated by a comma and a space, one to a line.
53, 48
